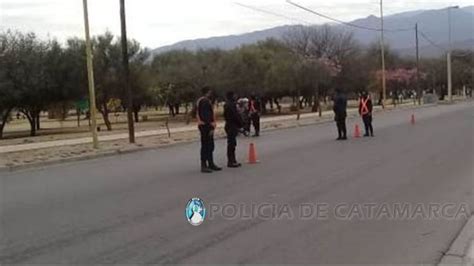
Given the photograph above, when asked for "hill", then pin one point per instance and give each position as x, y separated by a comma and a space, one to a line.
433, 23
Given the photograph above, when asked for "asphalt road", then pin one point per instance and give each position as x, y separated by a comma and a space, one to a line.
130, 209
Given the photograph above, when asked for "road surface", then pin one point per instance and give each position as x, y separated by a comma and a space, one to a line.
130, 209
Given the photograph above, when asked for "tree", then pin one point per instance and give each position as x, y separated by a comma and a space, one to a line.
140, 78
6, 105
180, 74
463, 68
65, 73
7, 94
107, 58
325, 59
280, 80
24, 60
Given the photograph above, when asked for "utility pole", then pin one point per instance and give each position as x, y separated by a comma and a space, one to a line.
298, 105
126, 73
90, 75
448, 59
204, 75
418, 92
382, 45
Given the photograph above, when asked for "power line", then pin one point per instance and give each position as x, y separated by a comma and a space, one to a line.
469, 53
431, 42
273, 13
330, 18
343, 22
423, 35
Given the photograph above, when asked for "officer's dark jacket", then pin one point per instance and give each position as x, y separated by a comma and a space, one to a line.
233, 120
370, 106
205, 111
340, 107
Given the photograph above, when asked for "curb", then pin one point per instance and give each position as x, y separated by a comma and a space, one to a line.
461, 251
314, 120
42, 165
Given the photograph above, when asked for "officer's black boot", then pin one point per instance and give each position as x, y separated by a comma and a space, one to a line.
339, 133
234, 165
233, 161
367, 129
344, 135
213, 166
344, 131
204, 168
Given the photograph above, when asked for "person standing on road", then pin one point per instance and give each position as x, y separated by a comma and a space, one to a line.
207, 125
243, 109
233, 124
340, 111
255, 110
365, 110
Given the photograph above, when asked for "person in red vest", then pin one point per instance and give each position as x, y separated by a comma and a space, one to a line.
365, 110
207, 125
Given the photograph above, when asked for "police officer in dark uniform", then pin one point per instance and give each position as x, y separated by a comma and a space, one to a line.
233, 124
206, 125
365, 110
340, 111
255, 110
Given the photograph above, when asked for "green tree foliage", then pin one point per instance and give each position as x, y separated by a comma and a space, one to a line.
307, 65
179, 75
8, 97
24, 59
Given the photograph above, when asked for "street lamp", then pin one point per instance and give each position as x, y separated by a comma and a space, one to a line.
382, 49
448, 56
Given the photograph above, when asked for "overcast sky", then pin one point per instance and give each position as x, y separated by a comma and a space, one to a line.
160, 22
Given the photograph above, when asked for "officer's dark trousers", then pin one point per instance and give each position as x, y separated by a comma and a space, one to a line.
369, 130
247, 122
341, 128
207, 144
231, 144
256, 122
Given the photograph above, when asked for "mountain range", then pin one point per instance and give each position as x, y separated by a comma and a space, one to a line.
432, 25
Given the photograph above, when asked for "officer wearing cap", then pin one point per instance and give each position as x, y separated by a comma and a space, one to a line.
255, 110
340, 114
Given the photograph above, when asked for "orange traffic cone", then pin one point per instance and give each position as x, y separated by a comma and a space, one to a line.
357, 131
413, 121
252, 154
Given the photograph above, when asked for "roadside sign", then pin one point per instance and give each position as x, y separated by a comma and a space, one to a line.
82, 105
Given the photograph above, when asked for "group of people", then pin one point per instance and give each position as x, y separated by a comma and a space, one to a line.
238, 115
340, 111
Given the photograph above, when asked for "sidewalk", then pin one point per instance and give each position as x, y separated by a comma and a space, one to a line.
461, 251
150, 133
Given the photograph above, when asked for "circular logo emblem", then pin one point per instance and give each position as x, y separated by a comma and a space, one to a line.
195, 211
